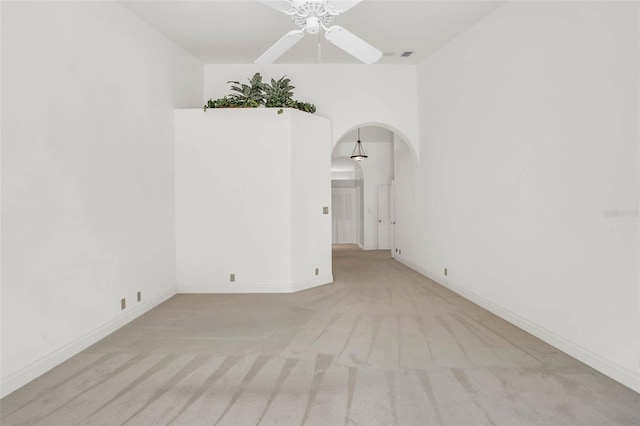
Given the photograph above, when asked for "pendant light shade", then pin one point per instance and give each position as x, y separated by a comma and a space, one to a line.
358, 153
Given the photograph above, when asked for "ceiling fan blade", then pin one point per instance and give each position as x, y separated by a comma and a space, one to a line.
281, 46
352, 44
279, 5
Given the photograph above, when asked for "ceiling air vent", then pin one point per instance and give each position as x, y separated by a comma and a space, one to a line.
406, 54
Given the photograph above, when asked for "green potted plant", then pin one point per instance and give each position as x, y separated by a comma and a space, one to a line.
249, 95
277, 94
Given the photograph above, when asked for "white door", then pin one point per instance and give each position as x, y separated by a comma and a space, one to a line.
343, 216
384, 222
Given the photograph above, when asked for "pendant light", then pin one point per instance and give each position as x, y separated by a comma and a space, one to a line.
358, 153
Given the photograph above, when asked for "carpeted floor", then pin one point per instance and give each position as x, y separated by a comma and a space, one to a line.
381, 346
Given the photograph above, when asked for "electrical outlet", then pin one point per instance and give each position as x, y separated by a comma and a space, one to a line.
317, 271
139, 296
123, 304
400, 251
446, 272
232, 278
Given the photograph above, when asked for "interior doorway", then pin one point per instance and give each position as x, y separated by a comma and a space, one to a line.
384, 200
344, 215
370, 180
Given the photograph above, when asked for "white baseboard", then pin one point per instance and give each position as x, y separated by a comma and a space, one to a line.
619, 373
316, 282
37, 368
232, 288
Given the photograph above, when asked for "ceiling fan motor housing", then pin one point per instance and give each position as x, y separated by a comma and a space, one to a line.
312, 15
313, 25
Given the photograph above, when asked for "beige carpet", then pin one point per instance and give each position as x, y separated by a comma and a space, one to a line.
381, 346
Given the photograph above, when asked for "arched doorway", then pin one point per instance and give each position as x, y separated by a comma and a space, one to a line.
363, 194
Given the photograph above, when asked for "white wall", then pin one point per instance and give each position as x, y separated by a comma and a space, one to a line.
349, 95
376, 170
343, 169
88, 93
251, 185
529, 139
409, 224
310, 192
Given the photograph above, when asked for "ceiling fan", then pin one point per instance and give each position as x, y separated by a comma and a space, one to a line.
312, 16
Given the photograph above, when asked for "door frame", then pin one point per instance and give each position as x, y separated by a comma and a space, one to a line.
378, 221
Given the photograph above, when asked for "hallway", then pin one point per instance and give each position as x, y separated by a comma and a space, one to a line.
382, 345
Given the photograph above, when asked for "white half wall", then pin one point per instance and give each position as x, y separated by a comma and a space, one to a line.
88, 94
251, 185
348, 95
527, 188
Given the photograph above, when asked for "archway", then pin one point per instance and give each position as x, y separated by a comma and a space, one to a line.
370, 186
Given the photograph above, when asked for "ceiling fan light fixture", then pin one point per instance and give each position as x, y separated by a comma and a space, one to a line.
358, 153
313, 25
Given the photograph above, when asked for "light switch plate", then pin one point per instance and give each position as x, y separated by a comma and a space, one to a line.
325, 210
